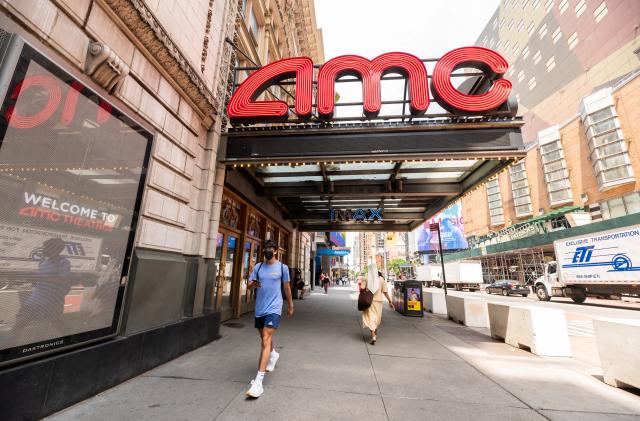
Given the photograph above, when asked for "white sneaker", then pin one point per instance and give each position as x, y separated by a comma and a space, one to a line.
272, 362
256, 389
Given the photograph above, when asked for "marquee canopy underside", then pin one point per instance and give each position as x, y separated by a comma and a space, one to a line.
411, 170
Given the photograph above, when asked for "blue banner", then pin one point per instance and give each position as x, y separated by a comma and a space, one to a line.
332, 252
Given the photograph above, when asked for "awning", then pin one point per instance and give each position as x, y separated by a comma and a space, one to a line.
333, 252
404, 172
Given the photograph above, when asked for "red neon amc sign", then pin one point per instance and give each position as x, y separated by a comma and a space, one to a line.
244, 106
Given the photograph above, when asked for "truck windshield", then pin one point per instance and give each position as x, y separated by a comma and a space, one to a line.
552, 269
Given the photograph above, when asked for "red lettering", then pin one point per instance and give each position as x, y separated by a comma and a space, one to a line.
71, 103
370, 72
490, 62
244, 104
54, 94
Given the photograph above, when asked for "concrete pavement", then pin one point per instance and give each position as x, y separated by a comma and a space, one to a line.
429, 368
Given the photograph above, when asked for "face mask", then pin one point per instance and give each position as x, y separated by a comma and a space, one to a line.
268, 255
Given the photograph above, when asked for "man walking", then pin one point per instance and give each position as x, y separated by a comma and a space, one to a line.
268, 277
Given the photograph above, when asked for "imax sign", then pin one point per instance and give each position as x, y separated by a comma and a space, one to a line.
358, 215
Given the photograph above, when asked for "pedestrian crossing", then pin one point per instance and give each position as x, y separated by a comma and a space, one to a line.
582, 328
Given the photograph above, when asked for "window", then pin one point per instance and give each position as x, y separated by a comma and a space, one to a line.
532, 83
564, 5
548, 5
525, 52
496, 213
521, 76
531, 27
542, 31
254, 28
551, 64
554, 166
573, 40
520, 189
556, 35
520, 26
580, 8
608, 147
537, 57
536, 4
600, 12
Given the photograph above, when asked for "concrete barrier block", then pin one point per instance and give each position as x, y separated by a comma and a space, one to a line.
541, 330
618, 344
470, 312
498, 319
435, 302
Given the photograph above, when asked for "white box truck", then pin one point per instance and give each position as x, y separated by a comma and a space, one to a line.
604, 264
464, 275
430, 275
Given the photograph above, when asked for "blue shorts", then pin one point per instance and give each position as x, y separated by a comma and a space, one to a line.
269, 320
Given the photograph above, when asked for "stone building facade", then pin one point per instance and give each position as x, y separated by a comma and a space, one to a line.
158, 71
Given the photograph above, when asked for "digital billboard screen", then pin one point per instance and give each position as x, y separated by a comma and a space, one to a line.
72, 169
451, 229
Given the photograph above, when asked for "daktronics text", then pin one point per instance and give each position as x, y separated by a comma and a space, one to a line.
244, 105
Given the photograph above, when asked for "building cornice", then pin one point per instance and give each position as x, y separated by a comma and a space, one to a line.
137, 17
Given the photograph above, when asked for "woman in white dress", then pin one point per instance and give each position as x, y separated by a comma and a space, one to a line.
372, 317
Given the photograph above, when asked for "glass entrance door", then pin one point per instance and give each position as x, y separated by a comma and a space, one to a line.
251, 257
226, 270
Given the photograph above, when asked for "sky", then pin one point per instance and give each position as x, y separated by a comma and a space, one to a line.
425, 28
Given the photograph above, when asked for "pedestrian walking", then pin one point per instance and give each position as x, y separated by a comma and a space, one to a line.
270, 277
372, 316
325, 282
299, 283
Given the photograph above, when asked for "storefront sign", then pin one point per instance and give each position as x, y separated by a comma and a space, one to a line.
343, 251
358, 215
244, 106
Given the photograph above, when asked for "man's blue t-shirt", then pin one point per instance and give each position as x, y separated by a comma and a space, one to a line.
269, 295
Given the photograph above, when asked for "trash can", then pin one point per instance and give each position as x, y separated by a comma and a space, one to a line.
407, 297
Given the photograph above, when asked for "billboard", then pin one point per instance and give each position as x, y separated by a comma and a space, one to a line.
451, 229
339, 239
72, 169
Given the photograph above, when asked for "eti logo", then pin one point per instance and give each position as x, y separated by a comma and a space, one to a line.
582, 254
361, 215
244, 106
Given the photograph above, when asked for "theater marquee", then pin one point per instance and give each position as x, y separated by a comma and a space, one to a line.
453, 126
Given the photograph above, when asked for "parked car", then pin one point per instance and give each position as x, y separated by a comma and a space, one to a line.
507, 288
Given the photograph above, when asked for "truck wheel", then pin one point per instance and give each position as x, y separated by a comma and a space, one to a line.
578, 295
542, 293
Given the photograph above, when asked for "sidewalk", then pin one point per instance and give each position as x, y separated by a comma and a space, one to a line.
419, 369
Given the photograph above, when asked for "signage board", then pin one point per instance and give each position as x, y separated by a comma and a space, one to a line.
451, 229
338, 238
357, 215
244, 106
72, 170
